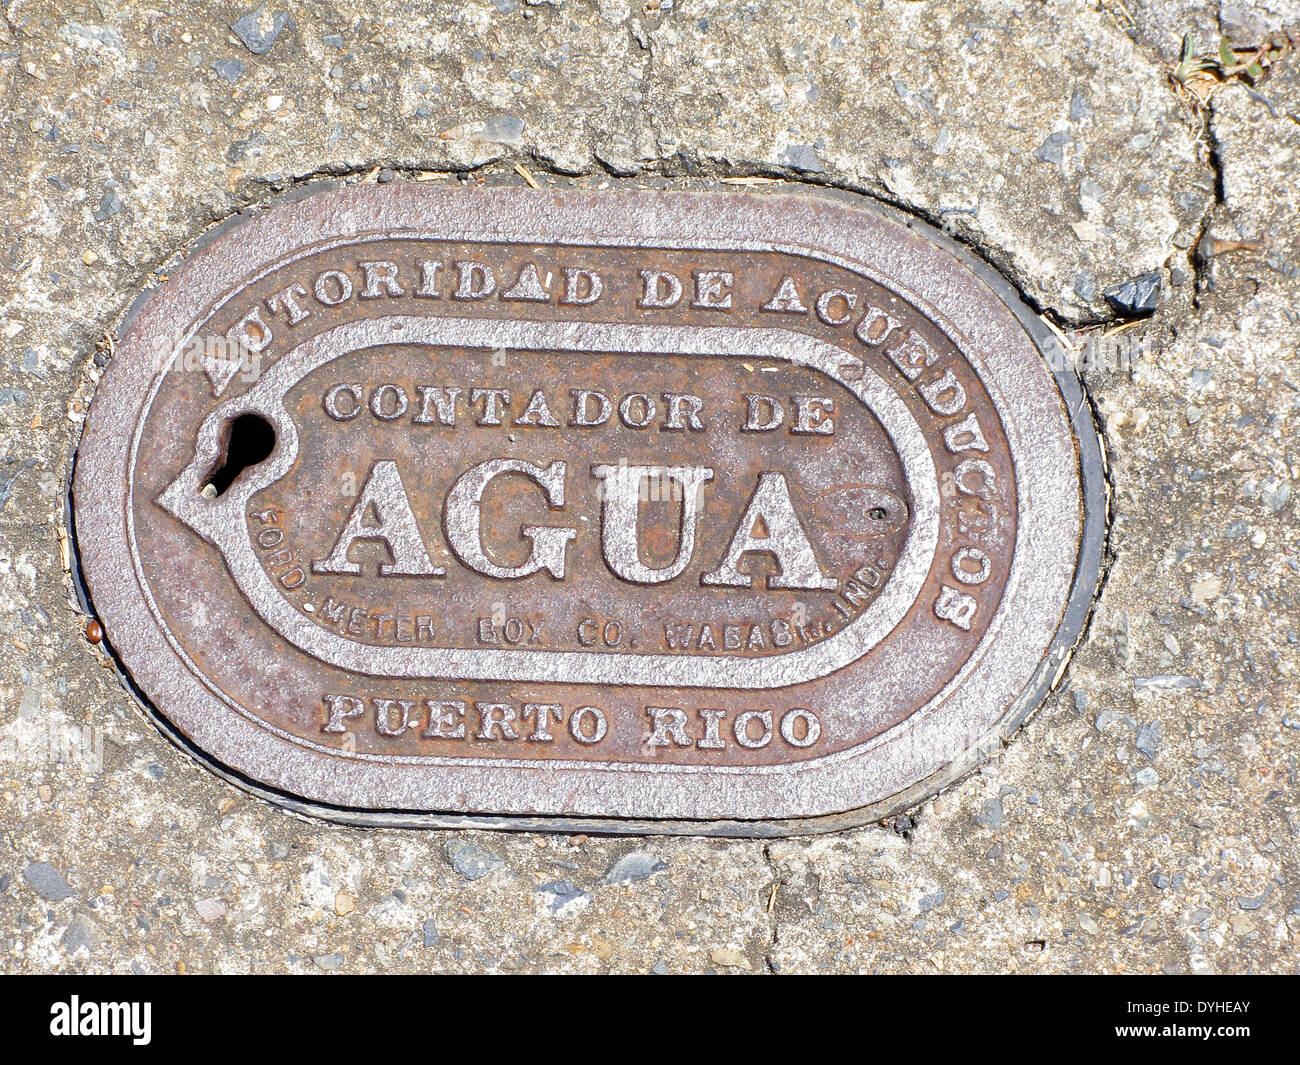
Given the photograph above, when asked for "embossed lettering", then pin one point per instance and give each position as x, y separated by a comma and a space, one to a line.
783, 538
463, 520
620, 513
384, 494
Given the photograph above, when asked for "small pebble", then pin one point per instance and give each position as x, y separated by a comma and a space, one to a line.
1141, 295
230, 69
44, 879
212, 909
635, 866
729, 958
258, 30
1148, 739
991, 814
563, 896
471, 861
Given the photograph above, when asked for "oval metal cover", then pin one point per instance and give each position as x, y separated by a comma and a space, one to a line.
633, 511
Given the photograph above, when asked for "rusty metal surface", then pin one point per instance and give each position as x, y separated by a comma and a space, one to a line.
638, 510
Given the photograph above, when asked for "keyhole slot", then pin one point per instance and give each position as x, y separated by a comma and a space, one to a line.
249, 439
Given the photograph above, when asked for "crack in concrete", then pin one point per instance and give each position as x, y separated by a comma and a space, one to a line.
706, 169
1197, 258
773, 920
